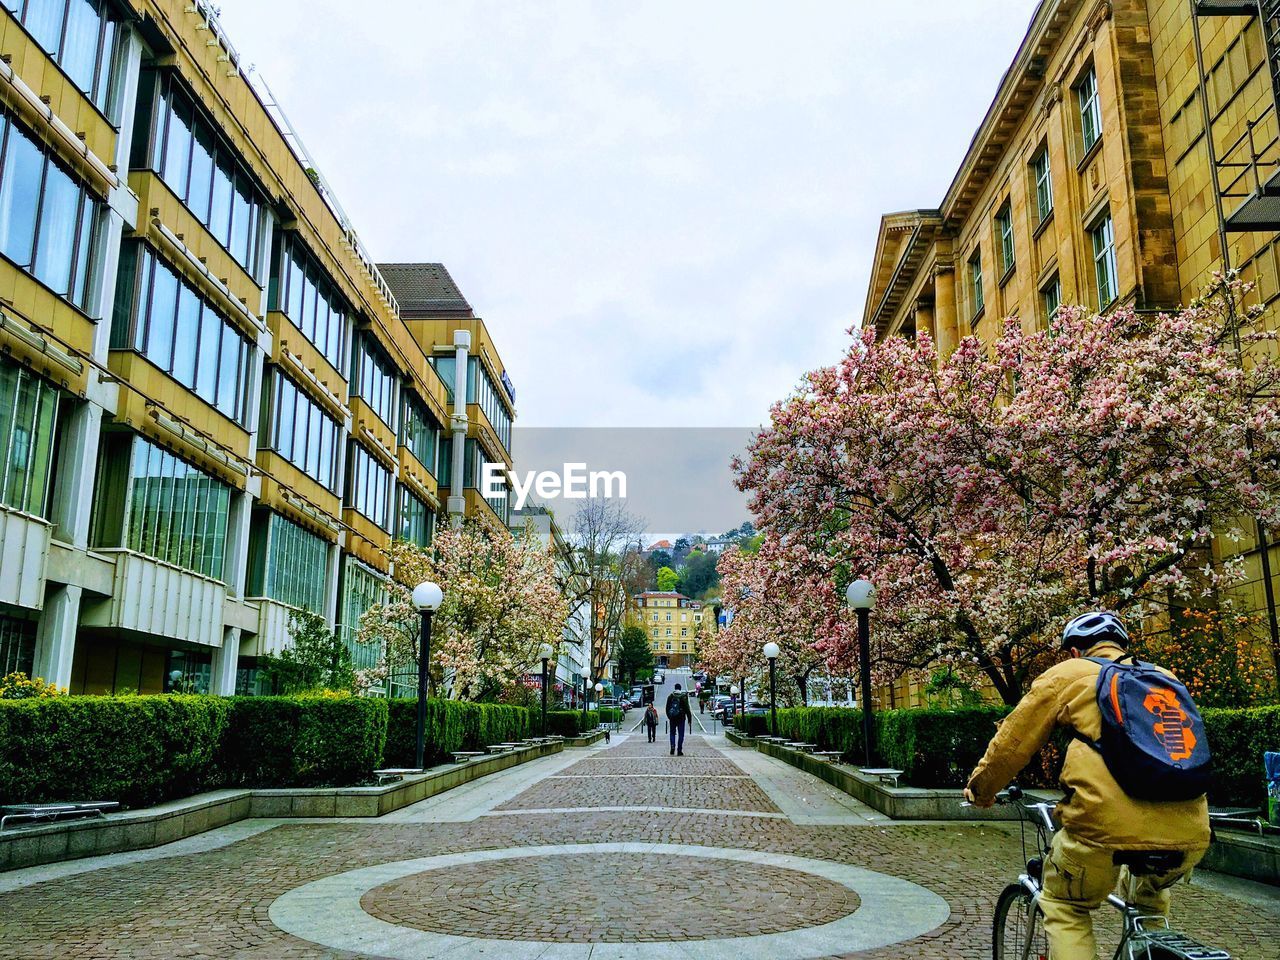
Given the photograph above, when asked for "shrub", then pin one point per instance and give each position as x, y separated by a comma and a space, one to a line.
564, 723
609, 715
137, 750
752, 724
1238, 739
452, 725
935, 748
18, 686
303, 741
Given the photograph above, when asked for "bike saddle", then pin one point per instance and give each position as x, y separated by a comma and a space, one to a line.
1146, 863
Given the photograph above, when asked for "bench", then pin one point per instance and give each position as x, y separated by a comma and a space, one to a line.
803, 747
29, 813
831, 756
462, 756
883, 774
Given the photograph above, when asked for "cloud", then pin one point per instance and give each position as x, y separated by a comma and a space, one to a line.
665, 211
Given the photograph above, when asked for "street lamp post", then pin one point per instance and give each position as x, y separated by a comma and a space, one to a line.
427, 597
861, 595
545, 654
733, 700
771, 654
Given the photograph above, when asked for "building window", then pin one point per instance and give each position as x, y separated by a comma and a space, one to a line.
48, 220
373, 379
151, 502
416, 519
288, 563
482, 391
162, 317
17, 645
187, 671
1090, 111
684, 631
200, 167
668, 633
1051, 297
301, 290
419, 432
28, 419
368, 485
1004, 233
79, 36
975, 283
301, 432
361, 589
668, 618
1044, 185
1104, 260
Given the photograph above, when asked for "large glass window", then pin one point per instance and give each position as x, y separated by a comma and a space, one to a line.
419, 431
163, 318
78, 35
28, 415
483, 391
1051, 296
1104, 260
368, 485
17, 645
444, 364
1090, 109
1004, 233
201, 168
300, 289
373, 379
416, 519
151, 502
361, 589
48, 219
975, 283
287, 563
1044, 184
301, 432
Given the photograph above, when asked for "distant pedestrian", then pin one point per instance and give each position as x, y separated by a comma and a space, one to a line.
678, 714
651, 722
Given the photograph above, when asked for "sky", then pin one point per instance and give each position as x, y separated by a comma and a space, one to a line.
665, 212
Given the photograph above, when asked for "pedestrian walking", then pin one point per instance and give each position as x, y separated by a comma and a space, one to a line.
678, 714
651, 722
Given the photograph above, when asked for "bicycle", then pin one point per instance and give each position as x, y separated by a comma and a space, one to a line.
1018, 927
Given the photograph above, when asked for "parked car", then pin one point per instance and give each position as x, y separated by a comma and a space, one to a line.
755, 709
659, 677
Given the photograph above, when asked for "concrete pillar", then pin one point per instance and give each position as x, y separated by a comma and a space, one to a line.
237, 556
944, 309
457, 503
226, 659
56, 635
330, 611
71, 504
924, 319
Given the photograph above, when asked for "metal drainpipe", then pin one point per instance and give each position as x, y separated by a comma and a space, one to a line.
458, 427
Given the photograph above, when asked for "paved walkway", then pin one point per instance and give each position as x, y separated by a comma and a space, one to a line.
615, 851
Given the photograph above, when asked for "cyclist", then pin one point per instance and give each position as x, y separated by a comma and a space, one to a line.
1103, 830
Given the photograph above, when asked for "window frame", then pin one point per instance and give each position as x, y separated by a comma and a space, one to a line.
977, 295
1042, 184
1104, 255
1088, 109
1005, 241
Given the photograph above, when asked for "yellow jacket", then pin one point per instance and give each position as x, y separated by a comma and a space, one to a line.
1095, 810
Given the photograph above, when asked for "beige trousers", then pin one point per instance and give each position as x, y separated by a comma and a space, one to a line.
1077, 879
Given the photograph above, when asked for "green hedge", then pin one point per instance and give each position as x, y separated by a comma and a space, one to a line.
137, 750
753, 725
302, 741
570, 723
1238, 739
452, 725
609, 715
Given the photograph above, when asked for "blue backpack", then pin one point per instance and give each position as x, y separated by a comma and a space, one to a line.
1153, 739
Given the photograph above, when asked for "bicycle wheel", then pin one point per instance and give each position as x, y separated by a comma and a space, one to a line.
1018, 931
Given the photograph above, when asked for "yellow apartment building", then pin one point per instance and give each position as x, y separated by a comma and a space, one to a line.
1091, 180
213, 410
671, 620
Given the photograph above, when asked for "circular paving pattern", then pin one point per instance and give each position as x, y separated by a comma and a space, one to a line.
342, 911
564, 900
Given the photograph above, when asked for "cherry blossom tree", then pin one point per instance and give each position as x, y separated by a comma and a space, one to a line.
501, 603
992, 494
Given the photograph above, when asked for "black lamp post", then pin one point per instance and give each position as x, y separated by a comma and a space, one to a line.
861, 595
771, 654
427, 597
545, 654
733, 703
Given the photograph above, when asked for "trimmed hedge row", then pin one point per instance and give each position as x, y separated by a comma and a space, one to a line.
939, 748
609, 715
138, 750
570, 723
142, 750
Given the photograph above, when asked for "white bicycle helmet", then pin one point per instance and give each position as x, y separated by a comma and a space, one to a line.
1090, 628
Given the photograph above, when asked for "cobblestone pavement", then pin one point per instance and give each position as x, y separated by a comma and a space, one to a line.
217, 902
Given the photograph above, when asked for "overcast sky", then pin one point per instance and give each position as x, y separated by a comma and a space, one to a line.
665, 212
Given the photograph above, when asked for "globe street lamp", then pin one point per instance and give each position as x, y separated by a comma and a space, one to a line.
771, 652
545, 655
427, 597
733, 701
861, 595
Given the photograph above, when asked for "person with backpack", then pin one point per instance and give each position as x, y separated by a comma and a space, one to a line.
651, 722
678, 714
1135, 776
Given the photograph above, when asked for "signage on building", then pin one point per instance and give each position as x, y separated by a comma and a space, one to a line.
508, 386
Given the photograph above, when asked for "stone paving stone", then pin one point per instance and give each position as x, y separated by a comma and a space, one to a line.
215, 902
663, 791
